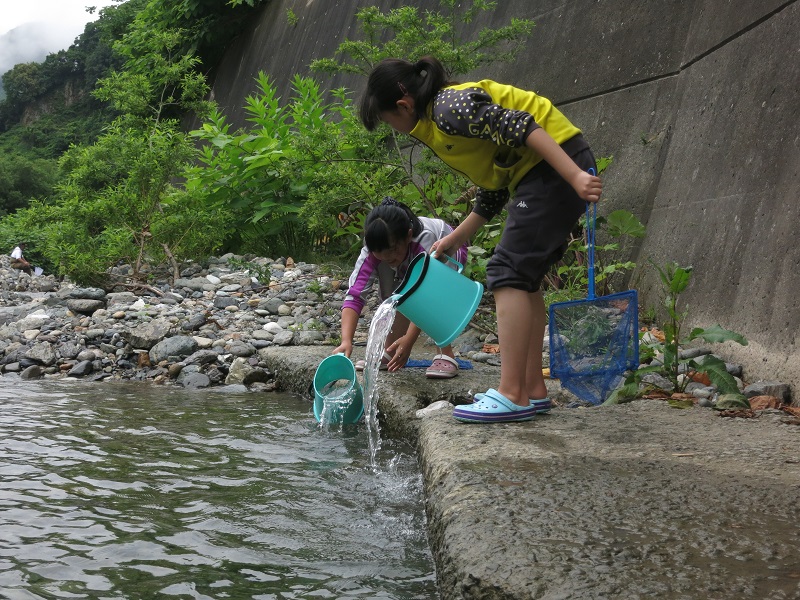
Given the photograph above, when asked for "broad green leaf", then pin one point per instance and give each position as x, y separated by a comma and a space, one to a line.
645, 370
719, 376
732, 401
623, 222
603, 162
220, 141
676, 403
263, 160
680, 279
717, 334
623, 394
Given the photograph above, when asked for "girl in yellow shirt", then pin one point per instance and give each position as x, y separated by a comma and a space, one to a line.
514, 145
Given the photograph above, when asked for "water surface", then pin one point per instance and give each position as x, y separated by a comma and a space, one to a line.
137, 491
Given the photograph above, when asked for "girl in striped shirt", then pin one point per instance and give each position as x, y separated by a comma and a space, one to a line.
393, 236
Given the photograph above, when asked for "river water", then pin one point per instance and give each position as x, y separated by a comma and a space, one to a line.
135, 491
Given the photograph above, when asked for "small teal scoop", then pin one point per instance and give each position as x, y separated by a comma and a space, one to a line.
337, 394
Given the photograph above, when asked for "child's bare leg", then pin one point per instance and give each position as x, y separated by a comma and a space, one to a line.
535, 380
447, 351
515, 326
399, 328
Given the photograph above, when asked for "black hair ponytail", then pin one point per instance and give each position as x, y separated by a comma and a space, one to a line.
388, 223
393, 78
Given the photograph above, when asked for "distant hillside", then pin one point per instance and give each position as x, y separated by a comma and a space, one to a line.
31, 42
47, 104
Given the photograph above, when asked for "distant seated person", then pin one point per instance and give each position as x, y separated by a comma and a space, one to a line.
18, 259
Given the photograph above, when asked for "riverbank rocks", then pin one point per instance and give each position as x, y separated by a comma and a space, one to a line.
205, 329
175, 347
776, 389
148, 334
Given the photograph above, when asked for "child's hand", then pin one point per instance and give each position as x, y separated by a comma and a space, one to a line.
588, 186
345, 348
400, 351
441, 247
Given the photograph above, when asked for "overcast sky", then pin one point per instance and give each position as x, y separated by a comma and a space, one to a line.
67, 16
32, 29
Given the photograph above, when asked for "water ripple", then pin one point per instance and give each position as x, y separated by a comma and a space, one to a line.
117, 491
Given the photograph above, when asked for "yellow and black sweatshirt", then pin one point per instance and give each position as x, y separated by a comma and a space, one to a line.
480, 128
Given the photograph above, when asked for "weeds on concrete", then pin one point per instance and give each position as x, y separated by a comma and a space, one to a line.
664, 353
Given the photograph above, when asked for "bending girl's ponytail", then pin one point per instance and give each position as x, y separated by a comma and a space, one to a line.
388, 223
431, 77
394, 78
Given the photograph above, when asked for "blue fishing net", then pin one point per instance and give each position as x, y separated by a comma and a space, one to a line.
594, 341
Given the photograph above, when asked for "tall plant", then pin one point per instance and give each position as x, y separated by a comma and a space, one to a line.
674, 280
571, 276
266, 173
409, 32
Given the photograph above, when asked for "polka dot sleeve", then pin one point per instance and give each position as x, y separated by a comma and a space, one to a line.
489, 203
472, 113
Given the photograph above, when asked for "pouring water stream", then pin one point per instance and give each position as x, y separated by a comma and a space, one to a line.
379, 330
425, 283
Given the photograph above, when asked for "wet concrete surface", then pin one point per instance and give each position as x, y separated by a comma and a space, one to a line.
636, 501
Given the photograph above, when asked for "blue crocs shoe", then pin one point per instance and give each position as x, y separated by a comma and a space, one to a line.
493, 407
542, 406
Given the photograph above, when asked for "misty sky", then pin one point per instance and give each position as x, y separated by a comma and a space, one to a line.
32, 29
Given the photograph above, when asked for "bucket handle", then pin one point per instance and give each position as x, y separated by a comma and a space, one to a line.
397, 299
451, 259
343, 354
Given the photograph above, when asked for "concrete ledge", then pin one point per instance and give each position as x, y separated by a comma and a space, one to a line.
633, 501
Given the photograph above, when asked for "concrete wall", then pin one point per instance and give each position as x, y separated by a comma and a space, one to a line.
697, 101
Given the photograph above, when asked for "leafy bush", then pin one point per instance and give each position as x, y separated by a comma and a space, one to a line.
620, 226
23, 178
409, 32
264, 175
306, 172
116, 201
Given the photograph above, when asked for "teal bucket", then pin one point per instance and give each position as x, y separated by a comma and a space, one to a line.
335, 384
437, 299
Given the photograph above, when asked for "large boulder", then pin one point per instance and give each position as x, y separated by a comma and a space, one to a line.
147, 335
178, 346
84, 306
242, 372
42, 353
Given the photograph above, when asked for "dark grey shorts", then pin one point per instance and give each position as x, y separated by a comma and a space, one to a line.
388, 280
541, 215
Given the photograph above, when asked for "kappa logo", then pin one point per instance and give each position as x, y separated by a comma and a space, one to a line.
449, 146
521, 204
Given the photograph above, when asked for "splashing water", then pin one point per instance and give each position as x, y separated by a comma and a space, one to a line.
337, 396
378, 331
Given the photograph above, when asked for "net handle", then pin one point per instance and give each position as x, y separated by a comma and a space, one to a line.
591, 224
